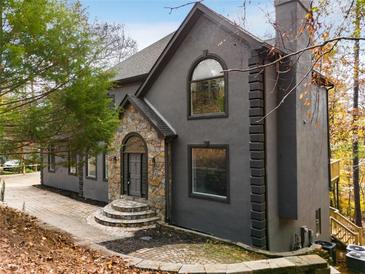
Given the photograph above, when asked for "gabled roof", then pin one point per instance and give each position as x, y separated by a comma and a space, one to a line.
181, 33
140, 63
155, 118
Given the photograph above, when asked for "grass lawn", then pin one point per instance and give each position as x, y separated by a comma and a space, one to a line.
25, 247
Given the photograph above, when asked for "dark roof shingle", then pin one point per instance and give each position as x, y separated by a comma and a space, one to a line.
141, 62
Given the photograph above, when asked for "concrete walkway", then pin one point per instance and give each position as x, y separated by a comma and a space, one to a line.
52, 208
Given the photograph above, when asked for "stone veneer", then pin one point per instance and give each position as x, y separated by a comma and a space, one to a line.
132, 121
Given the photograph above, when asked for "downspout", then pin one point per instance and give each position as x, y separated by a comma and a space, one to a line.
265, 160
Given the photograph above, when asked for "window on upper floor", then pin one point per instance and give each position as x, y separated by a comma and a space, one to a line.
207, 92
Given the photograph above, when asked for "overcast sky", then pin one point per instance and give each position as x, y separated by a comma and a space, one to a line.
147, 21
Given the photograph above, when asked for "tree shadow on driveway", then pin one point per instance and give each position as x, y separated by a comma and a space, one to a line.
171, 245
152, 238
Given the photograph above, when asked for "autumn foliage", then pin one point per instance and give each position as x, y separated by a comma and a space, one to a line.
26, 247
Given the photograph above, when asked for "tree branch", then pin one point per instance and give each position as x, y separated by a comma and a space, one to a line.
282, 58
186, 4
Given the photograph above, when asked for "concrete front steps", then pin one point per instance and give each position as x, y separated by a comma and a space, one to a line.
126, 213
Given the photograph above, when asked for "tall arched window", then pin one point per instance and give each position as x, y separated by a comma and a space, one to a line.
207, 89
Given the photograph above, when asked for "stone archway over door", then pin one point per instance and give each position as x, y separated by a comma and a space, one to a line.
134, 155
133, 123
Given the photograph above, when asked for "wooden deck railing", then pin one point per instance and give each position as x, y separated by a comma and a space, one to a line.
344, 230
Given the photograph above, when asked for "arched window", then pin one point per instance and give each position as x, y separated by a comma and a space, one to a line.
207, 89
134, 144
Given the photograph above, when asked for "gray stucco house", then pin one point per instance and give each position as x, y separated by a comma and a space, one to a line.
194, 141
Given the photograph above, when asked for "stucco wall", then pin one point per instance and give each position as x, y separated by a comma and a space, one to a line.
312, 180
60, 178
133, 122
96, 189
312, 158
120, 92
169, 95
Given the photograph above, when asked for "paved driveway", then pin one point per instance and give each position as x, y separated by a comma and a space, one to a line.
52, 208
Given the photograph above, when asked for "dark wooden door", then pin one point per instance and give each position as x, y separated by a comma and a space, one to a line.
135, 174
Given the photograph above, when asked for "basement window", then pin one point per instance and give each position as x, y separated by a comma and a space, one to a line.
209, 171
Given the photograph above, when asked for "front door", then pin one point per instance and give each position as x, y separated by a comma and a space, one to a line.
135, 174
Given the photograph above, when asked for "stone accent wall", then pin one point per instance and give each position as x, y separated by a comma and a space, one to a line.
133, 121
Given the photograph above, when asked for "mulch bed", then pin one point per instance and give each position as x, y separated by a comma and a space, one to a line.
26, 247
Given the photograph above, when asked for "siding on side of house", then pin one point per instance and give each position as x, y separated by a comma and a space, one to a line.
61, 179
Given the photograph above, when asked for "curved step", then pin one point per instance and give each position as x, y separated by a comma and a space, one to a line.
102, 219
128, 206
109, 212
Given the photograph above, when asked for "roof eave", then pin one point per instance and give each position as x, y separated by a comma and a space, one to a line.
136, 78
127, 100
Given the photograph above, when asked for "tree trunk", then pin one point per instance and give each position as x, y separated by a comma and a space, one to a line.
80, 171
1, 36
355, 116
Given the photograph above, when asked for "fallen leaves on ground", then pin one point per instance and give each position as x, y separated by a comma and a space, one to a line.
26, 247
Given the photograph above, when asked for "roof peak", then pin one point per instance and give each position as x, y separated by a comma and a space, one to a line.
229, 21
137, 66
195, 13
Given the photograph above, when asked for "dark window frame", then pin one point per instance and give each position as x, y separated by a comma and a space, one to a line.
105, 175
51, 158
87, 167
190, 169
224, 114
